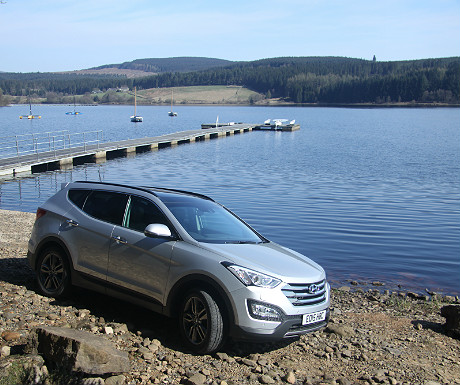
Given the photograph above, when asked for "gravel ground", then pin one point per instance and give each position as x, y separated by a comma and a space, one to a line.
374, 337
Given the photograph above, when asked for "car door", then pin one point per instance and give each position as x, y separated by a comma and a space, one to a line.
89, 226
137, 262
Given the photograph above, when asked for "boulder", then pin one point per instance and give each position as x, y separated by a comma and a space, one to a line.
341, 330
452, 315
79, 351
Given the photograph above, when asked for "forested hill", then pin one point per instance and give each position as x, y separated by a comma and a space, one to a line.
322, 80
172, 64
332, 79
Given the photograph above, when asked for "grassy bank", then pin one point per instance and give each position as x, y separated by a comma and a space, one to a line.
195, 95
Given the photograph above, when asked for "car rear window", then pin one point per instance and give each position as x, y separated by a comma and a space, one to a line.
78, 197
106, 206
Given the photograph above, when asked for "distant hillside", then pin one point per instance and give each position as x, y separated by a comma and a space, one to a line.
172, 64
302, 80
332, 80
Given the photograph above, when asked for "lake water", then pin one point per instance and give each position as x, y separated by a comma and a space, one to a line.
370, 194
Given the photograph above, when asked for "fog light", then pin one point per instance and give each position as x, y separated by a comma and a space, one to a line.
264, 312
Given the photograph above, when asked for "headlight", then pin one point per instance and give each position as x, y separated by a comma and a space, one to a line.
263, 311
253, 278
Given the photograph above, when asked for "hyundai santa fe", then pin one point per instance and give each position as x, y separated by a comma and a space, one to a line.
180, 254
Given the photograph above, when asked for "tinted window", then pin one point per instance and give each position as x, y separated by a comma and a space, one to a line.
78, 197
106, 206
207, 221
142, 212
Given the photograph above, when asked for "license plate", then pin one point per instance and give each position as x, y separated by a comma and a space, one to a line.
313, 317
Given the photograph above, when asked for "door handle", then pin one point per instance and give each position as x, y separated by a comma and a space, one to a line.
71, 222
119, 239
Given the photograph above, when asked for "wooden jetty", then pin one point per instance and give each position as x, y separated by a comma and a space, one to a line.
69, 157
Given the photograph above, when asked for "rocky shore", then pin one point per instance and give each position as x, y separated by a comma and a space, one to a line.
374, 337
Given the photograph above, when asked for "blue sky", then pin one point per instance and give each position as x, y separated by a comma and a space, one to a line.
60, 35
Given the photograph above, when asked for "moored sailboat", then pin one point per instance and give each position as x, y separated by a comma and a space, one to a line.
73, 112
30, 116
172, 113
135, 118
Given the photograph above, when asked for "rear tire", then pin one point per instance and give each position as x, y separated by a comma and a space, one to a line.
53, 272
201, 323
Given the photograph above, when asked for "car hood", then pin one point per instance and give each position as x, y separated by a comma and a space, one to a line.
271, 259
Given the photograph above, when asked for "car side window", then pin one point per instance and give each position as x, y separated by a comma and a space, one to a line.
78, 197
141, 213
106, 206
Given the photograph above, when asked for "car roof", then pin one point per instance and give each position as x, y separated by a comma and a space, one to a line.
157, 191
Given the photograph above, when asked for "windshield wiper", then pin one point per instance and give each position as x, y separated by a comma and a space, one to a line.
244, 242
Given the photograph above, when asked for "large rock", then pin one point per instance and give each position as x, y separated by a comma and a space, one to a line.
452, 315
79, 351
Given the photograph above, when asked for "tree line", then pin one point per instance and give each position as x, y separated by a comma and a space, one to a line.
325, 80
332, 80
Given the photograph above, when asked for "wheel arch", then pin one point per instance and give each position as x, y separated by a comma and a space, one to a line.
51, 241
203, 282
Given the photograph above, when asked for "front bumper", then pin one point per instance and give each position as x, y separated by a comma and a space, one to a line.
290, 327
247, 326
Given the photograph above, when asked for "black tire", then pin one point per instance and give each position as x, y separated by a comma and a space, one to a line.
201, 323
53, 273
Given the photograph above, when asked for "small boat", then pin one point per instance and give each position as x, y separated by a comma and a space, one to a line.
278, 125
73, 112
172, 113
30, 116
135, 118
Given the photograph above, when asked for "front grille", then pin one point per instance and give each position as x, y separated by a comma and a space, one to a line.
298, 329
305, 294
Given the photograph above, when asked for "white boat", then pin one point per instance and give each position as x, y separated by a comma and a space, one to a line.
30, 116
135, 118
172, 113
278, 125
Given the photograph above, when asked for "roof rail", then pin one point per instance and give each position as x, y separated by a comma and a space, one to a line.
148, 188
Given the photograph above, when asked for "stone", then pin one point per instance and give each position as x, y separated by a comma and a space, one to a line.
92, 381
341, 330
264, 379
115, 380
10, 336
225, 357
452, 315
290, 378
249, 362
5, 351
120, 328
33, 363
79, 351
196, 379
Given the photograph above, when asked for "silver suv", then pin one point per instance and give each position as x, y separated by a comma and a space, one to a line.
180, 254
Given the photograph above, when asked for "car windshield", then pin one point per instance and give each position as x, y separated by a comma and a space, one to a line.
207, 221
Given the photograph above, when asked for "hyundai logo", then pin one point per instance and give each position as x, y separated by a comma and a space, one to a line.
313, 288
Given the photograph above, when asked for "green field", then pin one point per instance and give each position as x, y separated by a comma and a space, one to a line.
182, 95
199, 95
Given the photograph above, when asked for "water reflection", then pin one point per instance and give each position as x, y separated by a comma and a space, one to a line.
369, 194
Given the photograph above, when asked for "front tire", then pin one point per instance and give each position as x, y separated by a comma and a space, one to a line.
201, 323
53, 273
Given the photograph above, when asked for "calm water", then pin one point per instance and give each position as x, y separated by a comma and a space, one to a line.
370, 194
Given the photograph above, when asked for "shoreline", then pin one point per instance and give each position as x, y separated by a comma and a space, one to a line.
14, 218
263, 103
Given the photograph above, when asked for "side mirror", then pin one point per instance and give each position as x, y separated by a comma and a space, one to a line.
158, 230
